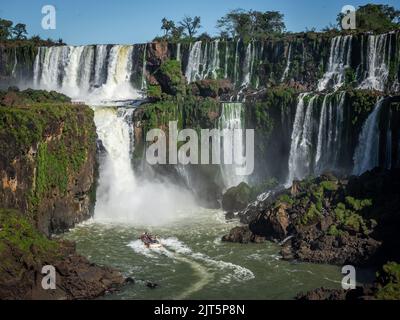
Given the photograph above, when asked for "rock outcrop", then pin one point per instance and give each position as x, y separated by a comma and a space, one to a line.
327, 220
48, 158
24, 251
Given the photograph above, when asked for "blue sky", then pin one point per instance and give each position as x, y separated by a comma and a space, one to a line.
132, 21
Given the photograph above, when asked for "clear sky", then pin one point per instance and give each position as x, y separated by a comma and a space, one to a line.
136, 21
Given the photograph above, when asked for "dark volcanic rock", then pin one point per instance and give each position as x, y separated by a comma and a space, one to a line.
242, 235
25, 251
326, 220
237, 198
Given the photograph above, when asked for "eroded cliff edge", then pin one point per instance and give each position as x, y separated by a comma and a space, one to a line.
48, 175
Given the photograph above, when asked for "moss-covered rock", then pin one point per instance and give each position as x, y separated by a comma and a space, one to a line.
24, 251
169, 76
237, 198
389, 282
48, 160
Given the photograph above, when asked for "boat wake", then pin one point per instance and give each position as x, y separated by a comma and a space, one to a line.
202, 264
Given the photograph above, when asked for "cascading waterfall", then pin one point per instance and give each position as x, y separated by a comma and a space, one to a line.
86, 73
14, 69
178, 51
288, 64
377, 71
144, 82
204, 61
232, 118
248, 65
236, 67
193, 67
226, 60
117, 182
339, 60
100, 71
366, 156
121, 198
300, 150
329, 133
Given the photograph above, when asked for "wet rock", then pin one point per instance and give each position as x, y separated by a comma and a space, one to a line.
151, 285
237, 198
239, 235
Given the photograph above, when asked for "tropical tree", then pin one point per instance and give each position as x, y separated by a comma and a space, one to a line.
191, 25
168, 26
375, 17
19, 31
5, 29
251, 24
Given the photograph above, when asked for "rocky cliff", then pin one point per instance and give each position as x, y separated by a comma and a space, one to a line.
48, 158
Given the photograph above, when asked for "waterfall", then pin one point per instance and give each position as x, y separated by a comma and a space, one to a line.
121, 196
144, 82
215, 64
366, 156
232, 118
389, 136
339, 60
248, 64
236, 67
330, 133
14, 69
87, 73
288, 63
203, 62
377, 71
193, 67
100, 67
300, 149
178, 51
117, 183
226, 60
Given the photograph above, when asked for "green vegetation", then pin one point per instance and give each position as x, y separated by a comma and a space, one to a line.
362, 103
171, 79
349, 215
251, 24
312, 215
17, 33
186, 28
390, 278
375, 17
17, 232
154, 92
27, 125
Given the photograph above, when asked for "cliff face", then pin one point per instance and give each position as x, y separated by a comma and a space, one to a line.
48, 161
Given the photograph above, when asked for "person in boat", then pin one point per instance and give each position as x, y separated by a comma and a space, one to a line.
148, 239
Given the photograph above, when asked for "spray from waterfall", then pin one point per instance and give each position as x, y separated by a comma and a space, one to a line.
121, 198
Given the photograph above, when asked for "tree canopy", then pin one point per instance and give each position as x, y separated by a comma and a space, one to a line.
251, 24
10, 32
375, 17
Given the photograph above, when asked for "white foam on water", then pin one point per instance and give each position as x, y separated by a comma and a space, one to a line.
175, 249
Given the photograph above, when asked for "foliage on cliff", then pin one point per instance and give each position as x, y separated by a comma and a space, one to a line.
57, 136
24, 251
